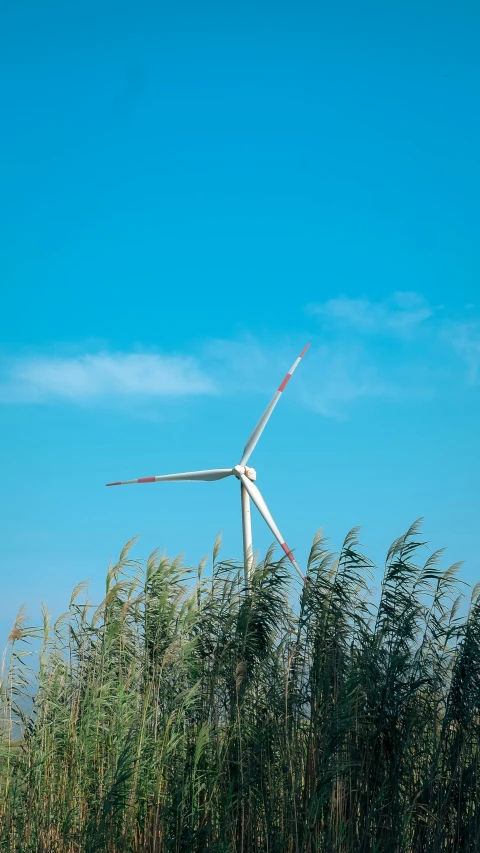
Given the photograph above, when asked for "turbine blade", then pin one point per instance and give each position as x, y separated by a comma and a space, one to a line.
207, 476
262, 507
252, 441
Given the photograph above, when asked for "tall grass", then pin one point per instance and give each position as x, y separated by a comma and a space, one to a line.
183, 715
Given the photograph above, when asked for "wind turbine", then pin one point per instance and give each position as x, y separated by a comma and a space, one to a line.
247, 477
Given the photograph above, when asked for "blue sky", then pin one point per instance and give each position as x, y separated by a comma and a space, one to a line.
191, 192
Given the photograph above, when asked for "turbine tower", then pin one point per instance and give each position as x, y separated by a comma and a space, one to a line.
247, 477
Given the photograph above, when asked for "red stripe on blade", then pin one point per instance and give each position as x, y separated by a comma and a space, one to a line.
113, 484
303, 351
285, 381
146, 480
287, 551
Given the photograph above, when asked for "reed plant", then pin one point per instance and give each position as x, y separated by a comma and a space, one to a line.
186, 714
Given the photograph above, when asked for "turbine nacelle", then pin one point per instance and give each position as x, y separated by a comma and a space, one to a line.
248, 472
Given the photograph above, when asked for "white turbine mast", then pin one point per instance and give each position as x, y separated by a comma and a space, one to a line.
247, 477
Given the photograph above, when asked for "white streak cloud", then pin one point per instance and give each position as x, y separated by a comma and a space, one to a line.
337, 377
466, 340
331, 377
400, 314
91, 377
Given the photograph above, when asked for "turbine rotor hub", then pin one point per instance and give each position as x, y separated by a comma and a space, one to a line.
244, 469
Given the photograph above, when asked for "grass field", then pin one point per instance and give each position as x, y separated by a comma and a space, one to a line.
182, 715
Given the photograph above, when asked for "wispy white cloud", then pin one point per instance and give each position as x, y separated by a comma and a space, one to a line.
465, 338
331, 377
347, 363
93, 376
244, 364
337, 377
399, 314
